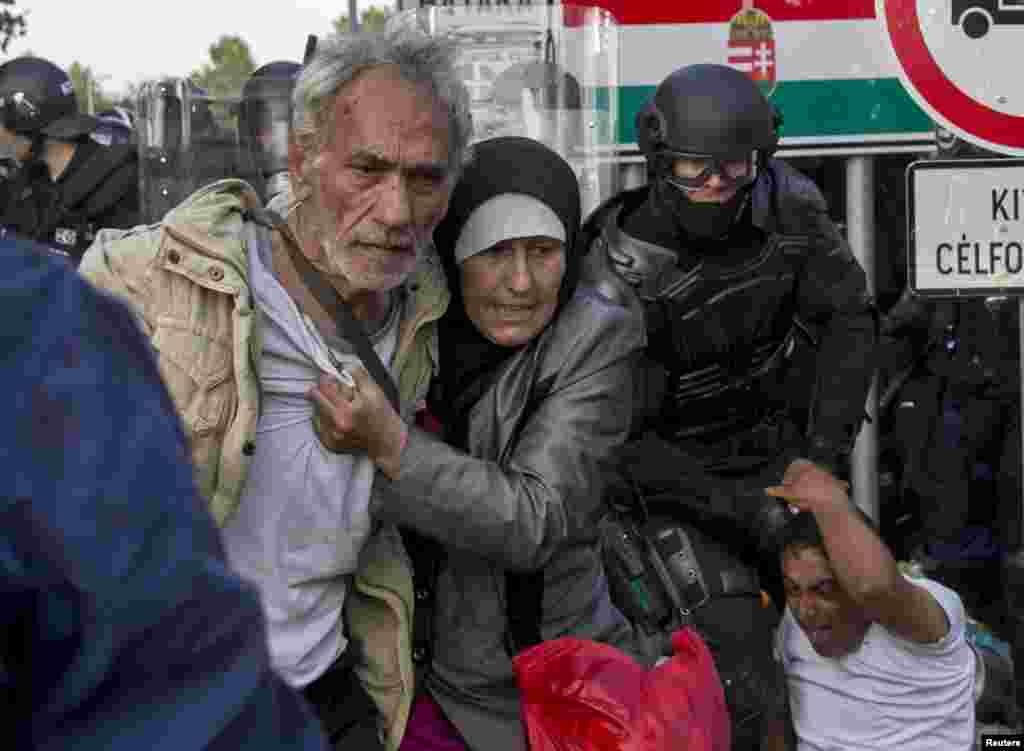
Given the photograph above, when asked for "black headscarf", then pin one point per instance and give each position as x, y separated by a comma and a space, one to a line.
500, 165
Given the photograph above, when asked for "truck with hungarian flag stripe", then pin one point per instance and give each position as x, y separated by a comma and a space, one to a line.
823, 63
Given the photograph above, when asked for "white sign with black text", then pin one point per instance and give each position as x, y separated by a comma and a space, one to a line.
966, 227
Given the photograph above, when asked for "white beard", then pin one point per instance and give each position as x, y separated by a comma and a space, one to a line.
339, 257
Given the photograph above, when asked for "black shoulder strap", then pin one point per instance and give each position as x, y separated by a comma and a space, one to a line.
427, 556
330, 300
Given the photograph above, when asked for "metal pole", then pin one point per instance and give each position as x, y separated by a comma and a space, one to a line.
860, 226
90, 107
353, 15
1020, 304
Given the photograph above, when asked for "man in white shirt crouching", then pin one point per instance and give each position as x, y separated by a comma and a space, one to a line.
873, 659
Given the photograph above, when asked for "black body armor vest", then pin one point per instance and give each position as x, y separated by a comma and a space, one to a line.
723, 328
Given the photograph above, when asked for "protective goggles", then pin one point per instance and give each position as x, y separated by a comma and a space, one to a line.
691, 172
17, 111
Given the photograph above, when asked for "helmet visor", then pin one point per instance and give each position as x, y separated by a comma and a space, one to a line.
691, 172
264, 126
17, 110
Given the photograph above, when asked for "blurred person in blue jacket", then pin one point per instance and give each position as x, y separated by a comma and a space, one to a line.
122, 626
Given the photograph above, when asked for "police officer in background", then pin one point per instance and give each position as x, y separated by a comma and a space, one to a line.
264, 120
951, 415
734, 258
68, 186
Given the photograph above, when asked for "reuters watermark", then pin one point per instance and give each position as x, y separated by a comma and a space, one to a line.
1015, 740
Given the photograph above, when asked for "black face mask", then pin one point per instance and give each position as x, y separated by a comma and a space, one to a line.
703, 221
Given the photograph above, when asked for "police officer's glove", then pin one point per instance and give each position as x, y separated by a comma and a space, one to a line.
763, 517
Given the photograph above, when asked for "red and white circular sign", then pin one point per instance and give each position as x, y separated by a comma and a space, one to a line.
959, 60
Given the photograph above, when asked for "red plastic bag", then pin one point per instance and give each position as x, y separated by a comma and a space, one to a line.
580, 695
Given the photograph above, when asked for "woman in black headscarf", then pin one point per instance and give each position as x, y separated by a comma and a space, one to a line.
515, 188
534, 394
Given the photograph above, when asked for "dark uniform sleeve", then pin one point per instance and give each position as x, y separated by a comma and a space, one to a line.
124, 212
122, 626
834, 303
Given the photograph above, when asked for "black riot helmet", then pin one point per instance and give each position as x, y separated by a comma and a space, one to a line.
708, 109
704, 120
265, 112
37, 99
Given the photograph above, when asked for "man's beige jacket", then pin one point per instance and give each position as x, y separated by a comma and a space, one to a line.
188, 280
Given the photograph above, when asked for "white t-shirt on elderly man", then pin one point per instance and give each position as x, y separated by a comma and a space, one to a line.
889, 694
304, 515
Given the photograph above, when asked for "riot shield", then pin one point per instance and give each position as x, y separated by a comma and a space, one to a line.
186, 139
264, 124
548, 72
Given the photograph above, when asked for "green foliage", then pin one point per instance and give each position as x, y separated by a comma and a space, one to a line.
373, 18
83, 78
12, 24
229, 68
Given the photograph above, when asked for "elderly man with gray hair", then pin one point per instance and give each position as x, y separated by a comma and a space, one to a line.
247, 310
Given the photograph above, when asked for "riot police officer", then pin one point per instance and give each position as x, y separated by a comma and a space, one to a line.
68, 186
264, 121
735, 260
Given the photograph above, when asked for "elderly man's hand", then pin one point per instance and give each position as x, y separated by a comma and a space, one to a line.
808, 487
356, 418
